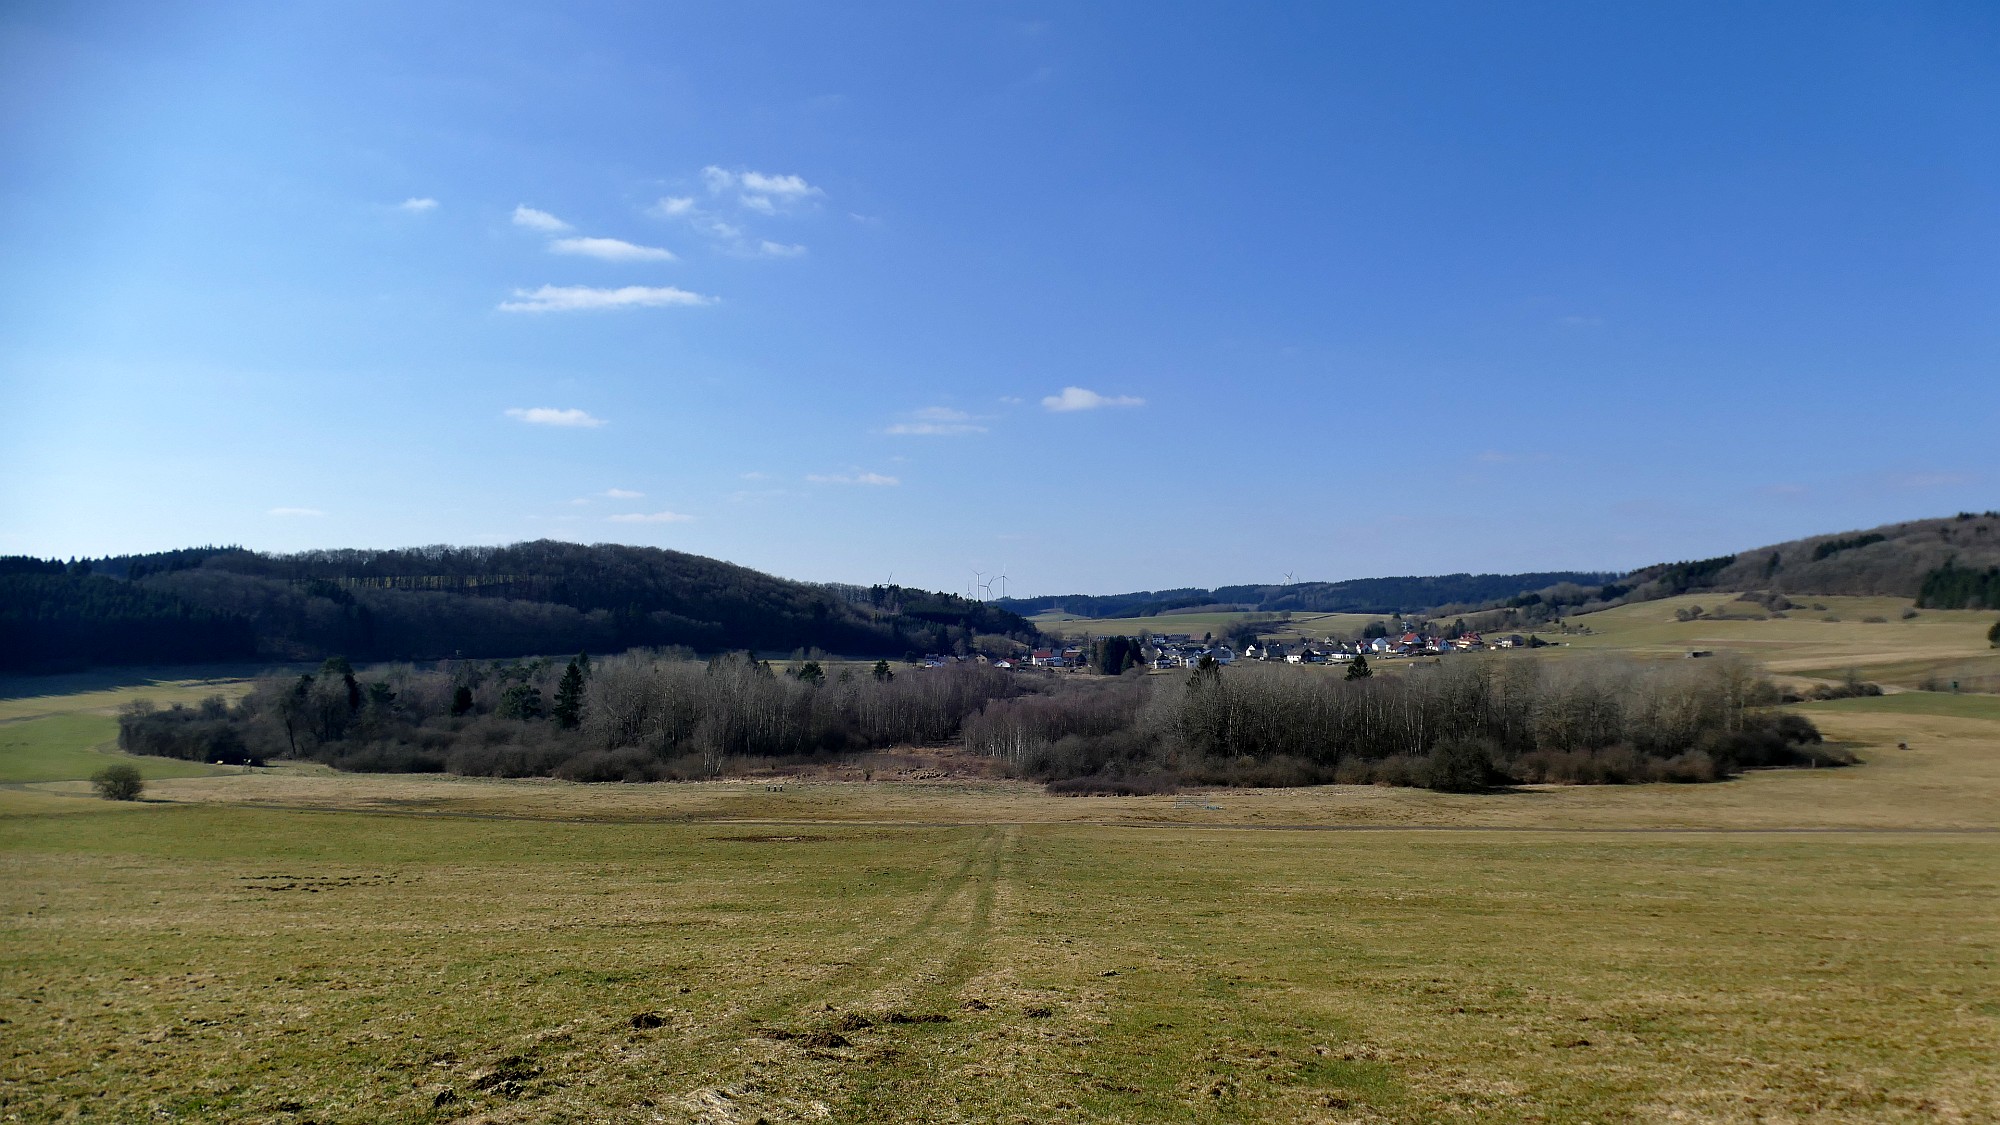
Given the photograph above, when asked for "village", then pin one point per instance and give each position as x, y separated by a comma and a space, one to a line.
1165, 651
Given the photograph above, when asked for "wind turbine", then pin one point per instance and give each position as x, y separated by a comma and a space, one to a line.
1288, 578
978, 583
1002, 579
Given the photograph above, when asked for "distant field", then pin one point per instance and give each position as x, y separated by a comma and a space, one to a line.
295, 944
1308, 626
1804, 643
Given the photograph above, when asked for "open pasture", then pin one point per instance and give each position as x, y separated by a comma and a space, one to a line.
293, 944
1935, 645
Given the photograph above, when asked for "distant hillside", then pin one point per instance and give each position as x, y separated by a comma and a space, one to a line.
543, 597
1946, 563
1358, 595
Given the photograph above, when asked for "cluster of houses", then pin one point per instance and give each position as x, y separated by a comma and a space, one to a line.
1182, 650
1175, 652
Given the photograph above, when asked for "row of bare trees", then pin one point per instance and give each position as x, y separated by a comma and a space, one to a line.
647, 715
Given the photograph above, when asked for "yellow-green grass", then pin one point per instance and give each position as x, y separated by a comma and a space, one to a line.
303, 945
24, 697
63, 747
231, 964
1894, 650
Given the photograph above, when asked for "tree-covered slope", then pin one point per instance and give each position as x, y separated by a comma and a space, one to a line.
526, 598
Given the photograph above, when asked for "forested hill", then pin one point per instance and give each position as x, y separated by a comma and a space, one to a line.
1947, 563
224, 603
1358, 595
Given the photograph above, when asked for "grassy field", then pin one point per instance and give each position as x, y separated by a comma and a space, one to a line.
294, 945
1300, 626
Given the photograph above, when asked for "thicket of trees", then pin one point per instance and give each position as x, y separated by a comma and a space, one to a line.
1464, 724
1958, 587
55, 617
434, 602
1527, 721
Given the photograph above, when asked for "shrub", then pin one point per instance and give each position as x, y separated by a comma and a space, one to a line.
1459, 765
120, 782
1113, 786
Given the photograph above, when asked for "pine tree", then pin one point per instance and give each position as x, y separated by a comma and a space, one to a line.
883, 674
568, 710
1359, 670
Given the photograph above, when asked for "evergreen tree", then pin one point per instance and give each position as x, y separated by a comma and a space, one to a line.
461, 700
1993, 634
882, 671
812, 673
568, 710
1359, 670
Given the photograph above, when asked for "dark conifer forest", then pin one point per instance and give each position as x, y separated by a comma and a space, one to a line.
226, 603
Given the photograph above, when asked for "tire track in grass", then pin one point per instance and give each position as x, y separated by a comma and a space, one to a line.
885, 959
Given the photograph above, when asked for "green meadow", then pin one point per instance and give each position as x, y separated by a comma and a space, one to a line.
293, 945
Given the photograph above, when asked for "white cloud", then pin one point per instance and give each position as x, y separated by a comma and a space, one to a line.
780, 250
672, 205
289, 512
623, 494
790, 187
760, 191
1077, 398
877, 479
417, 206
938, 421
610, 250
650, 517
572, 298
550, 416
526, 216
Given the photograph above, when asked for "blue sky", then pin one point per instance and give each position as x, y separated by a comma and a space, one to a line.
1109, 296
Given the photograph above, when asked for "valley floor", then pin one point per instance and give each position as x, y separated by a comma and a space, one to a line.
295, 945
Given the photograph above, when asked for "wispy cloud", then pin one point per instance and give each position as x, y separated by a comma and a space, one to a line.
623, 494
938, 421
286, 513
417, 206
610, 250
575, 298
649, 517
551, 416
1077, 398
770, 249
877, 479
756, 475
526, 216
760, 191
673, 205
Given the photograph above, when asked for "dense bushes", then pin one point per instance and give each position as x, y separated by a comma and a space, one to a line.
198, 734
1460, 726
1463, 725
